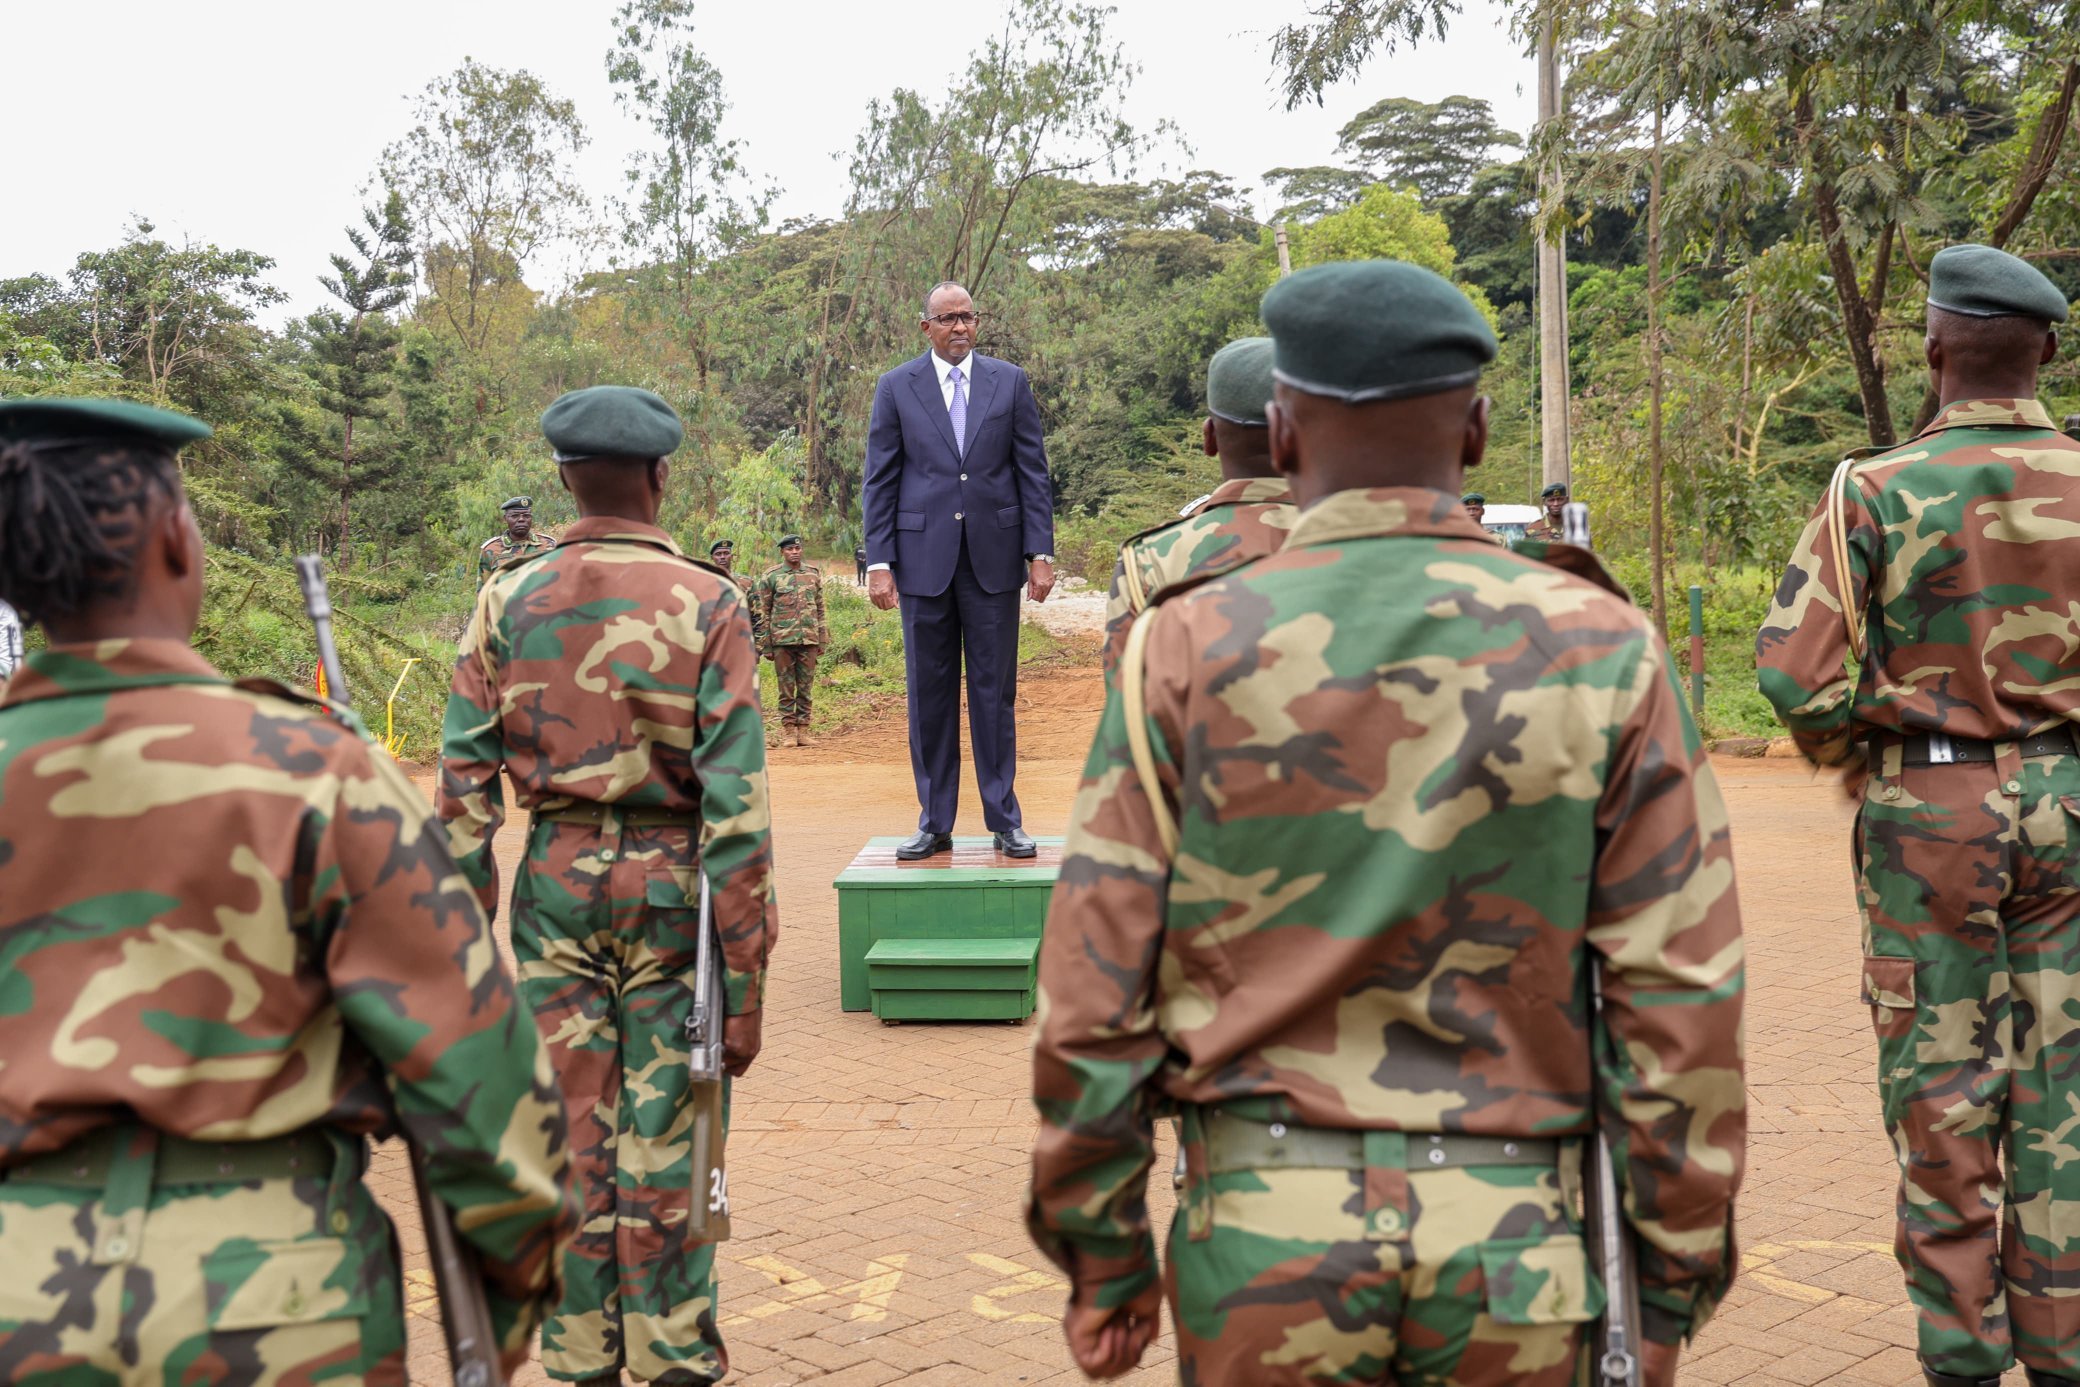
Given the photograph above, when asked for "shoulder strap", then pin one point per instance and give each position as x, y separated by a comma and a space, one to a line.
1134, 697
1838, 551
1130, 577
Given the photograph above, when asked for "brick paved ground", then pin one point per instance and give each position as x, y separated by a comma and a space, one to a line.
876, 1170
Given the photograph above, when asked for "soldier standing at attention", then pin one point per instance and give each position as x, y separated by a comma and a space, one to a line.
723, 554
521, 537
1548, 528
1476, 506
271, 959
1952, 577
613, 679
1243, 518
1331, 879
793, 632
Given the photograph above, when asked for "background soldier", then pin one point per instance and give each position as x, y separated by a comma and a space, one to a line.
1476, 506
1548, 527
237, 948
520, 538
1332, 905
634, 738
1245, 517
793, 632
723, 554
1959, 563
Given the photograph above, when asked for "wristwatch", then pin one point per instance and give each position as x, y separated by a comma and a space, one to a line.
1040, 558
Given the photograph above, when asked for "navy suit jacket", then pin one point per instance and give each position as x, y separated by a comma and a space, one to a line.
921, 495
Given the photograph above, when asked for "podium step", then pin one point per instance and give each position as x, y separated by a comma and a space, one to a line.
953, 979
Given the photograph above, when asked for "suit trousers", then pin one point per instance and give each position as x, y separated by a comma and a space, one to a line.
962, 625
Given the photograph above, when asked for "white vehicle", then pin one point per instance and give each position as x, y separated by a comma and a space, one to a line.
1509, 521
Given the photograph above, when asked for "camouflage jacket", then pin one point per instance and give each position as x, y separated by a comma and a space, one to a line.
1241, 519
228, 915
614, 669
1543, 530
1402, 819
500, 550
1964, 552
789, 607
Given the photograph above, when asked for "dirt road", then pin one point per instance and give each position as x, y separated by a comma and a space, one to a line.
877, 1170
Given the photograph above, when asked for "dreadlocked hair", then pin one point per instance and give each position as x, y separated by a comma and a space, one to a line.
71, 515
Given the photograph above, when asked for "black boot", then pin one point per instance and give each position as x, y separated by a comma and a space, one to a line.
1936, 1379
2039, 1378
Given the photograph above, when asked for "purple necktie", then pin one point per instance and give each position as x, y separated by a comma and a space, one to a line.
959, 410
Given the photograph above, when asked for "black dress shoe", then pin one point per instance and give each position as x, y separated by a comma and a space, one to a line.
919, 846
1936, 1379
2039, 1378
1013, 842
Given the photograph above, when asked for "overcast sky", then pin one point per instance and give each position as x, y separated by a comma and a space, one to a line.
255, 123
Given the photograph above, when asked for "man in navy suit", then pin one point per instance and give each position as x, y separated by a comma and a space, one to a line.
959, 513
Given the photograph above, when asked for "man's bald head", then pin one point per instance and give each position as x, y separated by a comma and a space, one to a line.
1327, 445
1979, 357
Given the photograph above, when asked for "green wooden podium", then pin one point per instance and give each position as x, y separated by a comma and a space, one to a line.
955, 937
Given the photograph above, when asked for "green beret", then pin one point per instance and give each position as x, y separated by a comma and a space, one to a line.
519, 503
49, 418
786, 540
728, 544
1365, 330
1986, 283
1238, 382
611, 421
1473, 498
1555, 489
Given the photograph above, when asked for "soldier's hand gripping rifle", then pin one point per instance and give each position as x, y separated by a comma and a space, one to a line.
1614, 1341
458, 1279
709, 1218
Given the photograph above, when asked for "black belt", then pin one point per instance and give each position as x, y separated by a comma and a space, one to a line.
1935, 749
180, 1161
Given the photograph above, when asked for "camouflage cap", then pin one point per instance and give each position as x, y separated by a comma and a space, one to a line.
1366, 330
519, 503
1554, 489
611, 421
1473, 498
1983, 282
56, 419
1238, 381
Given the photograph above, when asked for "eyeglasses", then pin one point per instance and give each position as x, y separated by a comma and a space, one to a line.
952, 319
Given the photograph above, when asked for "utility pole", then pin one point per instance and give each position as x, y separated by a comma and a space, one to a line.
1552, 285
1285, 253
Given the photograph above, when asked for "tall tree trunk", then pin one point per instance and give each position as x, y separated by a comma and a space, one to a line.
346, 489
1655, 538
1859, 325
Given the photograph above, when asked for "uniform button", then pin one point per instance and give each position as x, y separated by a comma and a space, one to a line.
607, 855
964, 476
292, 1304
1437, 1155
115, 1247
1278, 1130
1509, 1148
1386, 1221
2013, 787
956, 515
340, 1221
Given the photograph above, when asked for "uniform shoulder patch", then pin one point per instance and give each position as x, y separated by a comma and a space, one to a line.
489, 543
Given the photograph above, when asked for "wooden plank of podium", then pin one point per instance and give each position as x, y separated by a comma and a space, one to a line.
970, 893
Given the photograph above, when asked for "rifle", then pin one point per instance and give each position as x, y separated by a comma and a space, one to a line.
458, 1279
1614, 1338
708, 1219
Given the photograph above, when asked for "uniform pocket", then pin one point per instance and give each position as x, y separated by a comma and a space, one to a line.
1888, 990
1007, 518
1540, 1281
909, 520
268, 1285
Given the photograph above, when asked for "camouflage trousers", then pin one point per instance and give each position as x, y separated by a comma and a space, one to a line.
263, 1282
1473, 1276
794, 666
1971, 938
604, 932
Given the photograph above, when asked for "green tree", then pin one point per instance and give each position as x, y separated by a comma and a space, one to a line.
352, 353
1434, 147
486, 174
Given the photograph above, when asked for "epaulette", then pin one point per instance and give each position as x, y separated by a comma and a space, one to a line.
1197, 580
526, 556
308, 698
1151, 532
1574, 561
489, 542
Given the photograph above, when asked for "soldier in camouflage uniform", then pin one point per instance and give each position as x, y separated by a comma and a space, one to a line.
235, 948
1547, 527
1243, 518
613, 679
1959, 565
1355, 816
792, 632
520, 539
